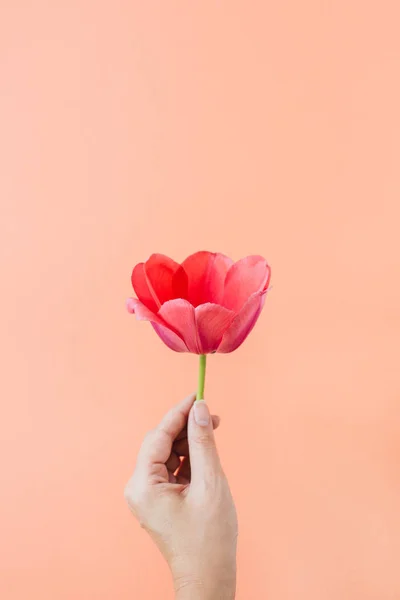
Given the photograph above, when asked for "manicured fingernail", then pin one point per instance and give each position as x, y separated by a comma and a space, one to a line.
201, 413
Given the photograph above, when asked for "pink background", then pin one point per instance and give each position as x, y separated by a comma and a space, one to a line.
131, 127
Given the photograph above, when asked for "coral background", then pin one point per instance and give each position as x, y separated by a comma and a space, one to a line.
243, 127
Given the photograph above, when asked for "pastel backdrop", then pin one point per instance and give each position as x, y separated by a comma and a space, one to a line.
242, 127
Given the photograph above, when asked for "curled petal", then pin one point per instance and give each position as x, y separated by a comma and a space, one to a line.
212, 320
141, 287
168, 336
157, 280
206, 272
180, 316
167, 278
130, 305
246, 277
243, 323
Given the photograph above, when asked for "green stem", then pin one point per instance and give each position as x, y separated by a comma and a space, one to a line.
202, 376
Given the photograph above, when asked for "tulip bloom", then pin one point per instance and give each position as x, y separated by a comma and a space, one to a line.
206, 304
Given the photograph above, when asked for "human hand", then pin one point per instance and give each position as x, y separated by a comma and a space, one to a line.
180, 495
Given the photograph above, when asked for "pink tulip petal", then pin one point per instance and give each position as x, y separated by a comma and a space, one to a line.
167, 278
141, 287
180, 283
130, 305
169, 337
180, 315
206, 273
158, 280
243, 323
212, 320
246, 277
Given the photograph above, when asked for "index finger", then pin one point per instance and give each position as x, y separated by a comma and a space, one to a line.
157, 445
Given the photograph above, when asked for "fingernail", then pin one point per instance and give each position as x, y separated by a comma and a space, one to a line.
201, 413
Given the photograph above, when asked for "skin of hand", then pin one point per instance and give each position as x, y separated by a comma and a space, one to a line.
181, 497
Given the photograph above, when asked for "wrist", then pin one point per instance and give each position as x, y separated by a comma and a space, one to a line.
198, 590
209, 584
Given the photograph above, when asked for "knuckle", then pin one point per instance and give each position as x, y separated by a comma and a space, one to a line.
134, 496
148, 441
149, 435
128, 495
204, 440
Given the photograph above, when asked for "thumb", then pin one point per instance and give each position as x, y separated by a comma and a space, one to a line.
204, 459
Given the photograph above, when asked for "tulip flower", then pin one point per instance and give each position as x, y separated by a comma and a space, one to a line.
205, 305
